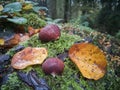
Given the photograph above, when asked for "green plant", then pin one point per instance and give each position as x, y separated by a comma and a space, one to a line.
17, 16
108, 20
12, 12
9, 14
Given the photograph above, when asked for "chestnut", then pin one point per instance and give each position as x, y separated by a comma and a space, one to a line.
50, 32
53, 66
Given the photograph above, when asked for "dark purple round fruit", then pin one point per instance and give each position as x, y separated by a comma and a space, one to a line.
50, 32
53, 66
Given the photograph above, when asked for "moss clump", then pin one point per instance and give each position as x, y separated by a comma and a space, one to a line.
71, 78
34, 21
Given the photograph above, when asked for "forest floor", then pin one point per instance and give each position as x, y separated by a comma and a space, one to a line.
109, 44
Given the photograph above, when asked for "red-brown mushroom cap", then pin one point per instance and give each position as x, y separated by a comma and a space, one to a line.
50, 32
28, 56
53, 66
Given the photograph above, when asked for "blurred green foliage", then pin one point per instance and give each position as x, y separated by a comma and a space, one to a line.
108, 20
104, 15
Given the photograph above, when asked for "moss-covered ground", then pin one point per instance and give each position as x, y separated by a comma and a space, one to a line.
71, 79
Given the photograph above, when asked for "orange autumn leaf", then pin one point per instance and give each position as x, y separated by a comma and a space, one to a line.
31, 31
28, 56
37, 30
14, 41
90, 60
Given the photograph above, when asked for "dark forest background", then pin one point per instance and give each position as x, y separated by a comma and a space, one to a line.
101, 14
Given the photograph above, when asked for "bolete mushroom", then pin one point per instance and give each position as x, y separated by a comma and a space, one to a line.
90, 60
28, 56
53, 66
50, 32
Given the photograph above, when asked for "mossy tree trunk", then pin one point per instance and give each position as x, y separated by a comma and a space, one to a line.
60, 8
51, 4
56, 8
67, 10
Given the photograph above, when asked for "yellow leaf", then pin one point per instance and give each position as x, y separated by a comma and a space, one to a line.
28, 6
1, 7
2, 41
90, 60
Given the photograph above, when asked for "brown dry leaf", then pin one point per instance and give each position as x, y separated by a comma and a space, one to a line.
28, 56
31, 31
90, 60
14, 41
37, 30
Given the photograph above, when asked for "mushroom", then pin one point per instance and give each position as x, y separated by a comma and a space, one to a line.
50, 32
53, 66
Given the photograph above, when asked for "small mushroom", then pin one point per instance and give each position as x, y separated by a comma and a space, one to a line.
28, 56
50, 32
53, 66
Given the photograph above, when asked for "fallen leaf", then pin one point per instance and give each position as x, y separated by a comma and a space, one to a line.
90, 60
28, 56
27, 7
13, 41
2, 41
31, 31
1, 7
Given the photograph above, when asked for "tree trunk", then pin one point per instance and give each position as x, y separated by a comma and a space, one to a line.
60, 8
56, 8
51, 4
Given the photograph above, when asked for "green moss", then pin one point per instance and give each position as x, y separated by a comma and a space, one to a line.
34, 21
71, 78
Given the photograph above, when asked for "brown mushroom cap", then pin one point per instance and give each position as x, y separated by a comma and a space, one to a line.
28, 56
90, 60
